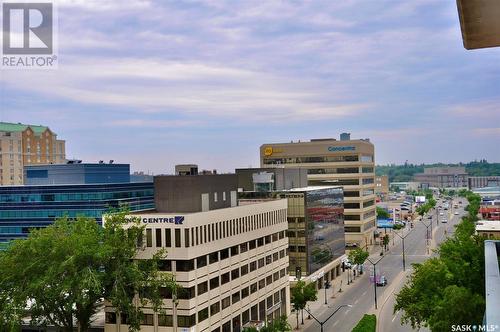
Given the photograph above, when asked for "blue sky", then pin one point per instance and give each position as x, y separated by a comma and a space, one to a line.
155, 83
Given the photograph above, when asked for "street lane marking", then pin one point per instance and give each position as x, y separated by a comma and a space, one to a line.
363, 294
347, 311
395, 315
356, 301
336, 322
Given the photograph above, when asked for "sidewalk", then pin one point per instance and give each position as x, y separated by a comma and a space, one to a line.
318, 307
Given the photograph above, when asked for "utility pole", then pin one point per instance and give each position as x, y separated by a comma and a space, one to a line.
427, 234
375, 276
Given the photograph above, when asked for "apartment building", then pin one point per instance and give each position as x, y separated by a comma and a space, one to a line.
231, 260
21, 145
330, 162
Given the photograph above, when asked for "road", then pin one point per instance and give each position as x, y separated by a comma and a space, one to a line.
361, 293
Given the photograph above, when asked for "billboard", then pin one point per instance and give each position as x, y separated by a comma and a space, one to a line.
420, 199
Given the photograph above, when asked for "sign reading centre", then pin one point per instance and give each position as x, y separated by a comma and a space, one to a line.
178, 220
341, 148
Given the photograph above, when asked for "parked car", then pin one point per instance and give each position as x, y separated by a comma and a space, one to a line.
382, 281
456, 213
444, 221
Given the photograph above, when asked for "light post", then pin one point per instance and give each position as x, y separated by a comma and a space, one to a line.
403, 242
326, 284
333, 313
375, 276
427, 234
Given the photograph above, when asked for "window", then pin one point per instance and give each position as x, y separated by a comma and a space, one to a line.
177, 238
243, 247
244, 270
275, 257
245, 292
235, 274
234, 250
202, 288
186, 321
269, 280
260, 242
261, 262
253, 288
158, 237
214, 283
226, 302
262, 283
164, 265
215, 197
201, 261
352, 229
149, 237
224, 279
224, 254
236, 297
185, 266
276, 276
224, 196
214, 308
147, 319
253, 266
251, 244
213, 257
269, 259
186, 238
202, 314
186, 293
168, 238
165, 320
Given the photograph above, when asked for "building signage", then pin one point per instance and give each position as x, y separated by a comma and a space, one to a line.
178, 220
269, 150
341, 148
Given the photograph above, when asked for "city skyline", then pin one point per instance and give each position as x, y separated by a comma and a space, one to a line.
158, 84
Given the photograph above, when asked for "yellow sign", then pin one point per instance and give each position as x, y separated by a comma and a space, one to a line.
268, 151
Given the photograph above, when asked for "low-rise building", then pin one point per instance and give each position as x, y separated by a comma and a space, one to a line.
475, 182
490, 229
231, 260
443, 177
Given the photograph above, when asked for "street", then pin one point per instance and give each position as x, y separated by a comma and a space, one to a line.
360, 294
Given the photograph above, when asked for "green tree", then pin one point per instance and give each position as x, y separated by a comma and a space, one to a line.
448, 289
278, 325
62, 272
358, 256
302, 293
382, 213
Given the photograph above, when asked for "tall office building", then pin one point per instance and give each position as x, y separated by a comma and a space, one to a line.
230, 260
21, 145
330, 162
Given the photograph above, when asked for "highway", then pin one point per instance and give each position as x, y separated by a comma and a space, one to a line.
360, 294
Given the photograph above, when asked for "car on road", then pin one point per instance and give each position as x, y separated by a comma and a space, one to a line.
444, 221
456, 213
382, 281
441, 213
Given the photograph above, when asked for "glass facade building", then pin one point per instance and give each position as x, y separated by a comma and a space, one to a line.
315, 226
26, 207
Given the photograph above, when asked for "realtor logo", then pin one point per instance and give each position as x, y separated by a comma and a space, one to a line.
28, 29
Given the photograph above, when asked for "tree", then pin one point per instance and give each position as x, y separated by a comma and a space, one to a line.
358, 256
62, 272
382, 213
448, 289
278, 325
385, 241
302, 293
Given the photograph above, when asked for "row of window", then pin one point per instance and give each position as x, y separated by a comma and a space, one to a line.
69, 197
51, 214
317, 159
216, 256
214, 231
203, 287
255, 313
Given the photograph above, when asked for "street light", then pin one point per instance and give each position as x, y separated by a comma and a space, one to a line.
375, 276
333, 313
403, 240
428, 236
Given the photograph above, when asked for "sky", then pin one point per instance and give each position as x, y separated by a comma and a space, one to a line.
157, 83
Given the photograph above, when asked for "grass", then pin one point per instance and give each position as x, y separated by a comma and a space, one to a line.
367, 324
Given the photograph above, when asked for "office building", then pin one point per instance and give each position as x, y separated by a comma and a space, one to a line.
475, 182
25, 207
230, 260
270, 179
382, 185
330, 162
442, 177
315, 230
75, 172
186, 169
22, 145
140, 176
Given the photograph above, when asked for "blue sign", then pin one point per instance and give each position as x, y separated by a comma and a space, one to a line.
341, 148
177, 220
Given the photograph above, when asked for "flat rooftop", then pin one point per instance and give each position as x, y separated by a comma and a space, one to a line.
311, 188
488, 225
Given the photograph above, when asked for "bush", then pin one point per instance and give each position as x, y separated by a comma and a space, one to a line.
367, 324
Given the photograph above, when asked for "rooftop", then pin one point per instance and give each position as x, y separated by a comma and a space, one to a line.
17, 127
310, 188
488, 225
